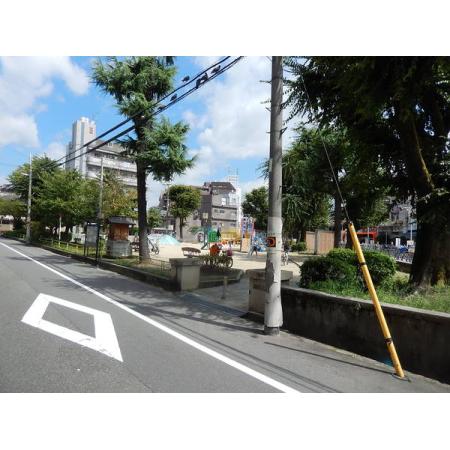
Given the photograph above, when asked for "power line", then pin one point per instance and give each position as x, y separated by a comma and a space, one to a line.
161, 109
123, 122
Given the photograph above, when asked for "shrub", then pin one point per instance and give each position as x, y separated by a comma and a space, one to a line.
298, 246
325, 268
381, 266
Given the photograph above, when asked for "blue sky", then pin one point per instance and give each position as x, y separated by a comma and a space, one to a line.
40, 98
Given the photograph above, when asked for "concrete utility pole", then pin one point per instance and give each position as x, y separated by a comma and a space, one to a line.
273, 314
30, 176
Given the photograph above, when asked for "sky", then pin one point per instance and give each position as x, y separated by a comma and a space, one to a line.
40, 98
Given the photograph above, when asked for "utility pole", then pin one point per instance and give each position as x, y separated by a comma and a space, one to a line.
30, 176
100, 214
273, 314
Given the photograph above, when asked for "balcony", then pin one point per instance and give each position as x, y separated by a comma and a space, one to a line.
111, 163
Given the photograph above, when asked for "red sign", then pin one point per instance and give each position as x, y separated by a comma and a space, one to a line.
271, 241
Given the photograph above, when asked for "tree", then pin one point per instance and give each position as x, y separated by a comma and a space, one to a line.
184, 200
154, 217
137, 83
19, 177
362, 184
117, 200
256, 205
398, 109
15, 208
64, 195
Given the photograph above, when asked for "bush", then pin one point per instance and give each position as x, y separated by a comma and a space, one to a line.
13, 233
325, 268
298, 246
381, 266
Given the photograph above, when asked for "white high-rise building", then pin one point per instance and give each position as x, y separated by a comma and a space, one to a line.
84, 131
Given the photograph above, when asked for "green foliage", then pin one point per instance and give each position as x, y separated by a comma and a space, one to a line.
324, 268
13, 233
256, 205
117, 199
299, 246
184, 200
154, 218
15, 208
216, 261
19, 178
137, 83
381, 266
396, 112
340, 266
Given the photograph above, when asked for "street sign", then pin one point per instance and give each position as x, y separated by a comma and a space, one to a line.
91, 234
271, 241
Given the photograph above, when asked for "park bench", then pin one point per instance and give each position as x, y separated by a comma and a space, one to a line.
191, 251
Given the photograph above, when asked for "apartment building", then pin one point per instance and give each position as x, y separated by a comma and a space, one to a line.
89, 165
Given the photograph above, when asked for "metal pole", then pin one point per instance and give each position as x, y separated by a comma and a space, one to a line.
167, 208
273, 314
99, 216
376, 303
59, 229
30, 176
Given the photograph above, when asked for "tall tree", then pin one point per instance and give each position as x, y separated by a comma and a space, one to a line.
62, 196
256, 205
399, 109
184, 200
362, 183
19, 177
137, 83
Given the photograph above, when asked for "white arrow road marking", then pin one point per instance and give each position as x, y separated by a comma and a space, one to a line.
105, 340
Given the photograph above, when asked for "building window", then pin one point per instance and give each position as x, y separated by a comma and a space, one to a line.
224, 201
222, 211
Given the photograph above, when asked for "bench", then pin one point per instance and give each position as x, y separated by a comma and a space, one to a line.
191, 251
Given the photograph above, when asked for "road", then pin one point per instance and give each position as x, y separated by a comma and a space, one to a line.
68, 327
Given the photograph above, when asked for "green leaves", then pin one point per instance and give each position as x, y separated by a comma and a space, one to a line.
256, 205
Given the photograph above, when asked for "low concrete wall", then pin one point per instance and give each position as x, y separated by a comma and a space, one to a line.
403, 266
421, 337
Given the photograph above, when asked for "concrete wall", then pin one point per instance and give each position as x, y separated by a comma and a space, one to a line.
421, 337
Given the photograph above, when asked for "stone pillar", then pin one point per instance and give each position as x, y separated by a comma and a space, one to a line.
257, 288
186, 273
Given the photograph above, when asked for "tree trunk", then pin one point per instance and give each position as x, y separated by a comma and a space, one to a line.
144, 251
181, 229
431, 263
337, 220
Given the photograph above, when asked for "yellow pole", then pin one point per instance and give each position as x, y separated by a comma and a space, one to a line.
376, 302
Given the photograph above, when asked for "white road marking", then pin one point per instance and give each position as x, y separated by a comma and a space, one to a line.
105, 340
225, 359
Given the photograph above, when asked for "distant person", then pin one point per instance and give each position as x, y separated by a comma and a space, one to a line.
254, 250
219, 235
214, 250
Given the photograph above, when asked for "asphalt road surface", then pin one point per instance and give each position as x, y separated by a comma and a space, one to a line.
68, 327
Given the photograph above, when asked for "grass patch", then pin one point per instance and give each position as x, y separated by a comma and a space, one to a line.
155, 267
397, 292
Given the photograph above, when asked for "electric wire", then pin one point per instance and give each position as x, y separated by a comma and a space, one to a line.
158, 111
123, 122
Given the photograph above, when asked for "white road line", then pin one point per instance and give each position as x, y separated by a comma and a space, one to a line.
225, 359
105, 340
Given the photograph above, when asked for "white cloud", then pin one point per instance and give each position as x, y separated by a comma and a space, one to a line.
24, 81
248, 186
55, 150
236, 118
206, 61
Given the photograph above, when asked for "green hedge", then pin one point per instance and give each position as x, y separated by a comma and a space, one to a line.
324, 268
341, 265
381, 266
298, 246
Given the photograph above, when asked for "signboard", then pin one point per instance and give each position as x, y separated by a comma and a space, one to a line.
271, 241
91, 234
212, 236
